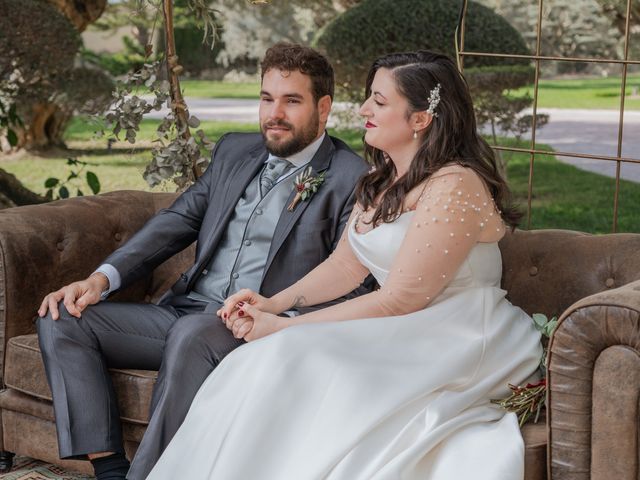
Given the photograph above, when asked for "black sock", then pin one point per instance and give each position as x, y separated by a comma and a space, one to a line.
111, 467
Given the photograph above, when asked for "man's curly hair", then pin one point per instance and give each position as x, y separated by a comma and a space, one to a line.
290, 57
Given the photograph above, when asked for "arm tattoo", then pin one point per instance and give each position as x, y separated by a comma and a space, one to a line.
300, 301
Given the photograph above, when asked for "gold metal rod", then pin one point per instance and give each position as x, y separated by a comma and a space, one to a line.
623, 88
462, 31
535, 114
567, 154
550, 58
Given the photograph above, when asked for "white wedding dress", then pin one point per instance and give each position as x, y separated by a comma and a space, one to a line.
393, 397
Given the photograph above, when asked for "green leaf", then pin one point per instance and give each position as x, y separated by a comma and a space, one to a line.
51, 182
13, 115
94, 183
304, 195
12, 137
63, 192
79, 193
72, 175
540, 320
72, 161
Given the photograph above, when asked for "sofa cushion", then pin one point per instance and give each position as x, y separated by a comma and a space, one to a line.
24, 372
535, 450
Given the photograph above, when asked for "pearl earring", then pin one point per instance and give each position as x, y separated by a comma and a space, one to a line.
415, 134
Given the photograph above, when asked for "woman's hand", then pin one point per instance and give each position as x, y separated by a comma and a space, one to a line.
235, 302
262, 323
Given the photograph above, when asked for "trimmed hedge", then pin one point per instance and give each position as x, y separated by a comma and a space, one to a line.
376, 27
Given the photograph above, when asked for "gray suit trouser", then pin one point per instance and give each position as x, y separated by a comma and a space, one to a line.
183, 341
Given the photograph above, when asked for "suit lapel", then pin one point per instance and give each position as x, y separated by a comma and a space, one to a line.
319, 163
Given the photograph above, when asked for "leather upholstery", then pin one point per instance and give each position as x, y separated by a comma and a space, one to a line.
594, 374
594, 382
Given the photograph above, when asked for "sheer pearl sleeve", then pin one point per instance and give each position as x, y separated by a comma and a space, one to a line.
338, 275
454, 212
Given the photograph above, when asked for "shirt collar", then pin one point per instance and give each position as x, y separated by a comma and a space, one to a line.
305, 155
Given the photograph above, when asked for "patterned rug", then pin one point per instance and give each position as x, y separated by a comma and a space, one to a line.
29, 469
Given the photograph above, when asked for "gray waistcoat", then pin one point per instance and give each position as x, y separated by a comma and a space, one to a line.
241, 256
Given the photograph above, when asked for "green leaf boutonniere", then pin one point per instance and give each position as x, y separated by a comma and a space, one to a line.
306, 185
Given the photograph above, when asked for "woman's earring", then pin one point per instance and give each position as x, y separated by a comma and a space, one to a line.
415, 134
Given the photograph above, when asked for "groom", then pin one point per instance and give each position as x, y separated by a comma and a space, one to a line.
250, 233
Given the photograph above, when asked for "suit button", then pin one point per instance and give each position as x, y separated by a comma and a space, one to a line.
205, 271
610, 282
247, 242
118, 236
235, 275
258, 211
183, 277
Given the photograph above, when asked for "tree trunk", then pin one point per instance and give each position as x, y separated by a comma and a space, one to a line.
13, 193
80, 12
44, 128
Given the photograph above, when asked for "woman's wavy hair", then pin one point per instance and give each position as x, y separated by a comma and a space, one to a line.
451, 138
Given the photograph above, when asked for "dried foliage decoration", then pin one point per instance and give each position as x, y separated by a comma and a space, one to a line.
177, 155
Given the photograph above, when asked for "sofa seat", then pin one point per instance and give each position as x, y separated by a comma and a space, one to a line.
27, 395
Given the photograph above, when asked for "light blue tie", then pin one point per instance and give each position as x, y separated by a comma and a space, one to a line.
275, 168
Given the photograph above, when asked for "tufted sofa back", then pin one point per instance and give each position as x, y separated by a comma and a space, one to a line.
43, 247
546, 271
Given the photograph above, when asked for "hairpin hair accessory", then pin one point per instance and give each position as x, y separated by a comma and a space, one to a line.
434, 100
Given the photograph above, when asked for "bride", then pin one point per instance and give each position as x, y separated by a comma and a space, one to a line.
395, 384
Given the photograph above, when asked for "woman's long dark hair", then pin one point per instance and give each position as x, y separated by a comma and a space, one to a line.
451, 138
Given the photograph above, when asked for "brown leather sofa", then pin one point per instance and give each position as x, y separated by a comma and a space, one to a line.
592, 419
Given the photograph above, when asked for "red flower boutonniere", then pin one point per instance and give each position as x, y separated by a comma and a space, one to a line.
306, 185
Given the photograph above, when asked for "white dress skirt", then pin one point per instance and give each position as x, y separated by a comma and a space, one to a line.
401, 397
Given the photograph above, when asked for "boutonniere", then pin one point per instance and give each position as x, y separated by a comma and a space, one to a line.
305, 185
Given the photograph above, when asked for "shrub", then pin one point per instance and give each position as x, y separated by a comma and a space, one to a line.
376, 27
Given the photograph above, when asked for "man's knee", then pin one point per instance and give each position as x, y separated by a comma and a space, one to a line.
52, 333
199, 336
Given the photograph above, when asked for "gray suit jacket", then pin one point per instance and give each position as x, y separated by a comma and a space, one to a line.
303, 238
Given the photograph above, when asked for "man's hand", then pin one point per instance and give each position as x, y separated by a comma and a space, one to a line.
239, 323
75, 296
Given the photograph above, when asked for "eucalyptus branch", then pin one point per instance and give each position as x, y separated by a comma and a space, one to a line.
207, 16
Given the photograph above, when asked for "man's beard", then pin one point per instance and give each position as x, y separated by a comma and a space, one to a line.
302, 137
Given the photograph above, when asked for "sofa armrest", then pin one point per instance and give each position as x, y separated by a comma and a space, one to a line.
43, 247
594, 387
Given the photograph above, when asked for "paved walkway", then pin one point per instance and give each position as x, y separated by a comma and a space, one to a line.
575, 131
594, 132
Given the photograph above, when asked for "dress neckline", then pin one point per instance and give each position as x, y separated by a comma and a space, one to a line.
353, 229
353, 223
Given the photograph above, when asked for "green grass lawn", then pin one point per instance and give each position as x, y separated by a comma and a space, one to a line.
563, 196
212, 89
569, 198
589, 93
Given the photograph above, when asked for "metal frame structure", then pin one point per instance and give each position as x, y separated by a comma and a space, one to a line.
538, 58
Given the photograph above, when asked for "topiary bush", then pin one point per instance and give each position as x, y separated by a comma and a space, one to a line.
376, 27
